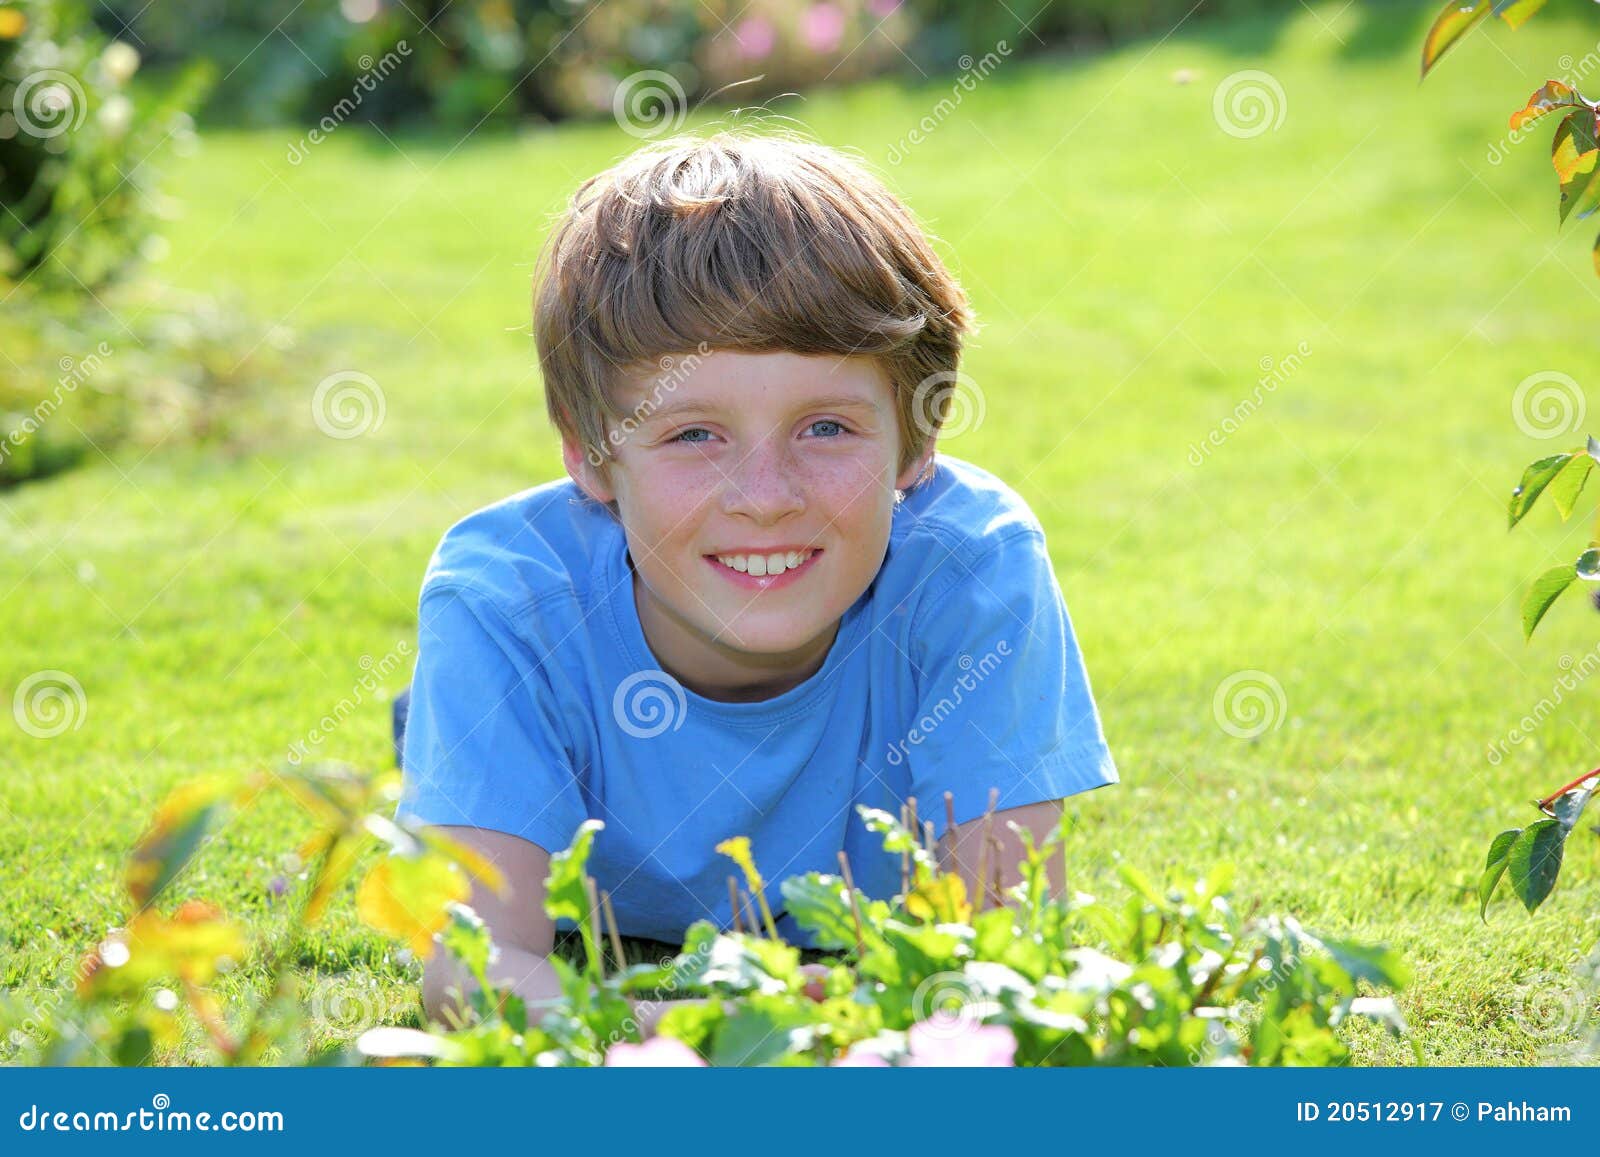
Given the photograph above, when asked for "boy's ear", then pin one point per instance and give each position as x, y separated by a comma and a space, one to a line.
584, 469
914, 473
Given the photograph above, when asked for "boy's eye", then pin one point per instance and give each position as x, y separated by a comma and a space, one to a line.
830, 429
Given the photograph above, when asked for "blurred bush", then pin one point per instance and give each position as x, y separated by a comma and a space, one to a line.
140, 364
91, 356
78, 151
461, 62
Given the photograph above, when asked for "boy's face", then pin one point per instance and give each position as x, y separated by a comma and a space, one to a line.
727, 460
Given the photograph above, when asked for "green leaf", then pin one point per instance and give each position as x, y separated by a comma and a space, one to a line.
1568, 484
1535, 861
895, 837
1573, 152
1542, 593
761, 1032
1448, 27
564, 892
1534, 479
1141, 884
1569, 805
466, 938
176, 833
820, 905
1516, 12
1494, 867
1375, 963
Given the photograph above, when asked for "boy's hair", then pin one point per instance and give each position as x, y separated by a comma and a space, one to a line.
745, 242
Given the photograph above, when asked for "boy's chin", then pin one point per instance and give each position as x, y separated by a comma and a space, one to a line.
772, 639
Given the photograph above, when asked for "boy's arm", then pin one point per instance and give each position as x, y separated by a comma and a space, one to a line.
523, 934
517, 923
1038, 818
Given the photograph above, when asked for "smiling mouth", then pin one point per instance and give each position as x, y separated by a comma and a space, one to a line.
758, 565
764, 571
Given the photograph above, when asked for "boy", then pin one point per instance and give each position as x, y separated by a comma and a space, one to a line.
758, 599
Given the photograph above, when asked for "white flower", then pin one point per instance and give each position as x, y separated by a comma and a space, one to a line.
119, 61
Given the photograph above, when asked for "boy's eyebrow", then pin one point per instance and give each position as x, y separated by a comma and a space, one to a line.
829, 402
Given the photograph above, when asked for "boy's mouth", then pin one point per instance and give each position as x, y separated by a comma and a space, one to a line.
764, 571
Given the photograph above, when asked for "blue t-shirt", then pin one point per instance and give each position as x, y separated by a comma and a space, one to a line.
537, 703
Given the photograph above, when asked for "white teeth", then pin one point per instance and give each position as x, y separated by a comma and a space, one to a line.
762, 565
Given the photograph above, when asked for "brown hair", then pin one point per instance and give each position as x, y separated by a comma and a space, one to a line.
738, 241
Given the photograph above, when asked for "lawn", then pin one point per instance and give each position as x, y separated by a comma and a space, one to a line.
1138, 271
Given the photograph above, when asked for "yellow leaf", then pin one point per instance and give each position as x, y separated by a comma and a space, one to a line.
405, 897
1566, 158
342, 855
737, 849
1454, 22
1548, 97
942, 899
190, 944
176, 833
478, 866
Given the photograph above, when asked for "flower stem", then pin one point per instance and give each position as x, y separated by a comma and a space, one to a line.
1544, 804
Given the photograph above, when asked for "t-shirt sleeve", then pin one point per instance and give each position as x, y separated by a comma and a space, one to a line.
1003, 699
484, 746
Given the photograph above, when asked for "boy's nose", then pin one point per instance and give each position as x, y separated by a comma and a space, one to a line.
763, 486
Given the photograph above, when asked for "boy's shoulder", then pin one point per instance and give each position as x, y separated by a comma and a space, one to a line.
962, 508
524, 549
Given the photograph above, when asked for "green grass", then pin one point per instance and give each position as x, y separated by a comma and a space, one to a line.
1134, 265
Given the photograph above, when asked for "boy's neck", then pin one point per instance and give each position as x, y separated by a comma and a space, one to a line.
715, 671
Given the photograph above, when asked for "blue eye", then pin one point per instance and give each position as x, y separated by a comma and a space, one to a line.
838, 426
683, 435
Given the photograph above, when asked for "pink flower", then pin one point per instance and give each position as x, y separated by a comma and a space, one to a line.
858, 1058
755, 36
822, 27
988, 1046
659, 1052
